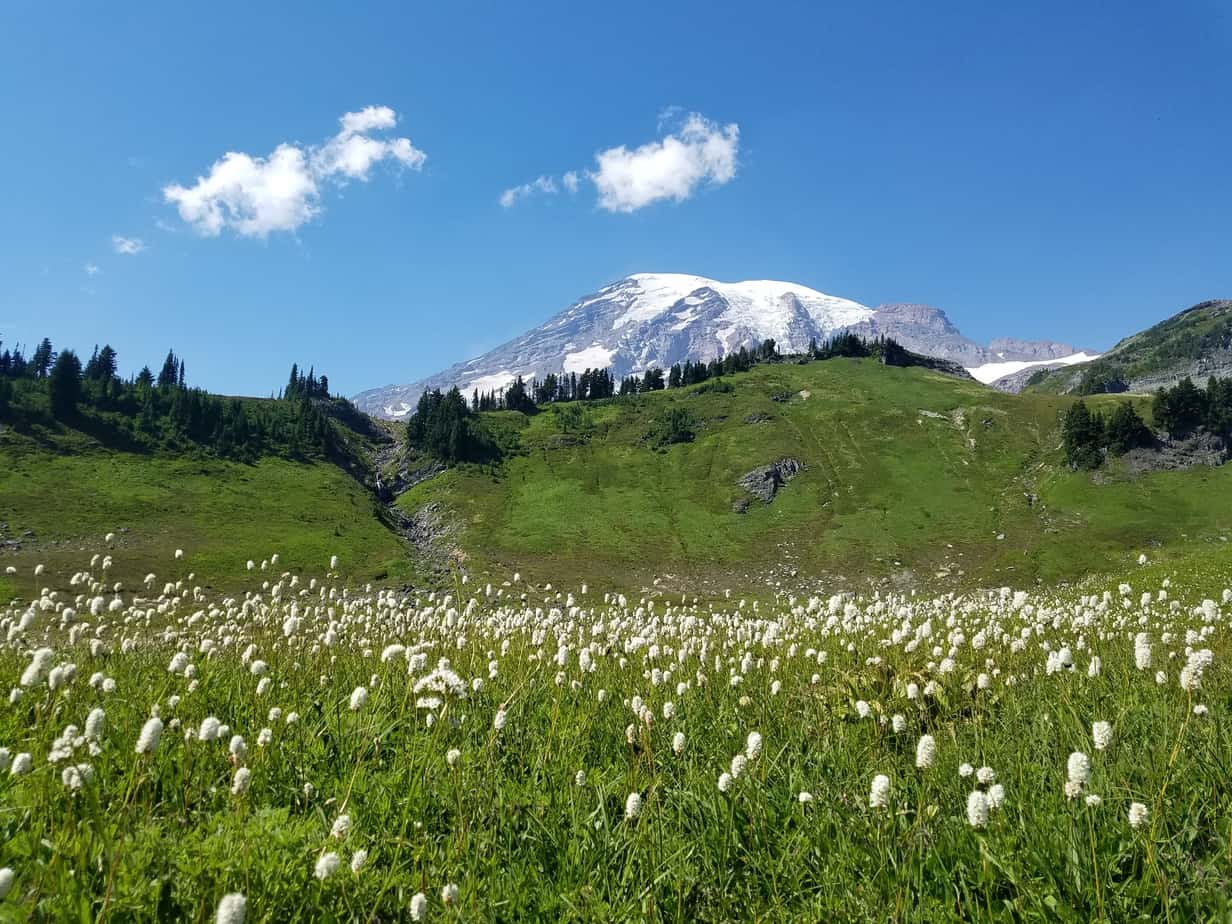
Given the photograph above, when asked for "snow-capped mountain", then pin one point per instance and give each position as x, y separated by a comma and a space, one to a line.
658, 319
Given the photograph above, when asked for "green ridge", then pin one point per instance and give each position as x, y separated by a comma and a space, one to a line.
907, 472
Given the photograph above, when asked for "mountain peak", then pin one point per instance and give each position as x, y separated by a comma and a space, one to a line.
649, 320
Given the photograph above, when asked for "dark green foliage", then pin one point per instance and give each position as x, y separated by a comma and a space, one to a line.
172, 371
1180, 410
847, 344
102, 365
44, 356
894, 354
853, 346
147, 413
1219, 407
443, 426
517, 398
1083, 436
676, 426
1186, 409
306, 386
1126, 430
1097, 380
64, 384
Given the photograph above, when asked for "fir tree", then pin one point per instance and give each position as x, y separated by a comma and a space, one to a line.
1083, 437
64, 384
1126, 430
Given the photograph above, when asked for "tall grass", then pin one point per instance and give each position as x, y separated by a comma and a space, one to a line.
161, 836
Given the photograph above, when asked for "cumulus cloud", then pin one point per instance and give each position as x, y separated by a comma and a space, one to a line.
510, 197
673, 167
670, 168
128, 246
255, 196
92, 269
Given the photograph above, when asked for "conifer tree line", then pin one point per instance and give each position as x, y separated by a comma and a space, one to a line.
1182, 411
306, 386
160, 410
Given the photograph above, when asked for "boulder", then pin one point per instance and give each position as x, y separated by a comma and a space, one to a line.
764, 482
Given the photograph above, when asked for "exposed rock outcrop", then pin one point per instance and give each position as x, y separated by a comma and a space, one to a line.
764, 482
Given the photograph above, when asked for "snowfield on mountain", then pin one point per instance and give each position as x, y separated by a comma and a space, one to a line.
654, 320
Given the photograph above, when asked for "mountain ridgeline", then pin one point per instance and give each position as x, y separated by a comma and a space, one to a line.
656, 320
1195, 344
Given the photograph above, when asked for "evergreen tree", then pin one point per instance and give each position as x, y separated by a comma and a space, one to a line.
64, 384
41, 362
1219, 407
517, 398
170, 371
102, 365
1182, 409
1126, 430
1083, 437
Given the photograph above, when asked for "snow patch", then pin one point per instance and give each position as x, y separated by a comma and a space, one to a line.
593, 357
990, 372
763, 305
401, 409
494, 382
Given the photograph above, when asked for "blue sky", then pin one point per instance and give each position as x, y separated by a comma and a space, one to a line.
1053, 170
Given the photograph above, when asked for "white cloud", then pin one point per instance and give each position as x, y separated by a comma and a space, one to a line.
92, 269
128, 246
254, 196
510, 197
701, 151
351, 153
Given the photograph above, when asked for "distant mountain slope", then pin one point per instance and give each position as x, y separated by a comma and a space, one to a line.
1196, 342
874, 471
658, 319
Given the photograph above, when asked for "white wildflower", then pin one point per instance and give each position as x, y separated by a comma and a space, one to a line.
977, 808
1138, 815
327, 865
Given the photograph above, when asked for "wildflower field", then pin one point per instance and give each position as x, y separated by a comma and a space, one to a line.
308, 750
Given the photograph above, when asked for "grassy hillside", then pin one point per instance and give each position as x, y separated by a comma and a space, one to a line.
1195, 342
907, 472
71, 490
